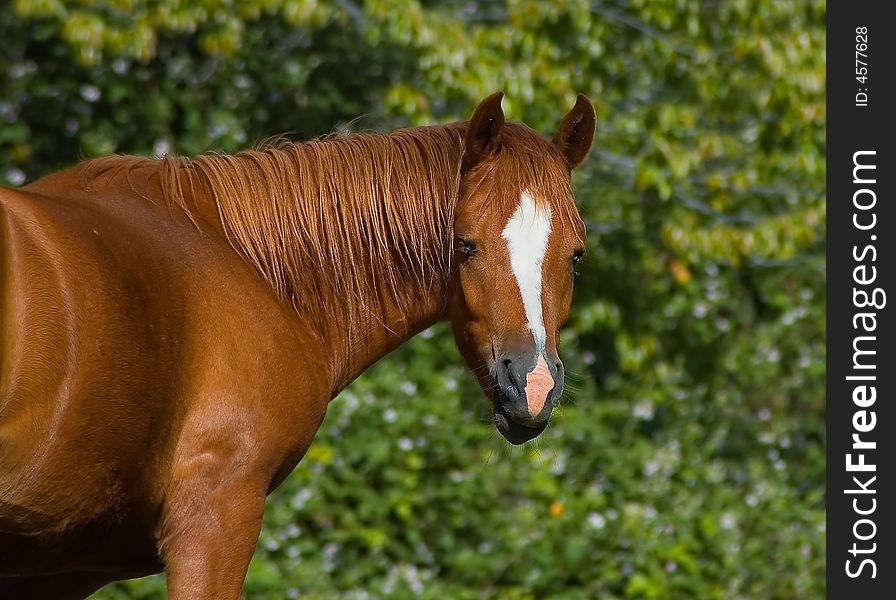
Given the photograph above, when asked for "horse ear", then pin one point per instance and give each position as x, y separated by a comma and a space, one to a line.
484, 133
576, 132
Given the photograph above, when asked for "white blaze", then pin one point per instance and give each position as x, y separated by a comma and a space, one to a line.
527, 234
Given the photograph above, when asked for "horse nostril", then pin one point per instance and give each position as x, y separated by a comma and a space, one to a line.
558, 384
513, 385
508, 370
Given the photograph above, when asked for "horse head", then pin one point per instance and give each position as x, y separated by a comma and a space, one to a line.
517, 238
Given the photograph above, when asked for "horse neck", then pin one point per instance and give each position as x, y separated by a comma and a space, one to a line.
361, 322
355, 348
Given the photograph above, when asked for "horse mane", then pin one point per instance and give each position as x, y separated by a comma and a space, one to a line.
339, 222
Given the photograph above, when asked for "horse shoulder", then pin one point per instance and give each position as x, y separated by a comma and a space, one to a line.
257, 395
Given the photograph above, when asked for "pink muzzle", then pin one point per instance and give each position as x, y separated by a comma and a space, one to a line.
539, 384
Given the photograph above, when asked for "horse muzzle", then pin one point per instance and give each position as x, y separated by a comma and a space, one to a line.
526, 389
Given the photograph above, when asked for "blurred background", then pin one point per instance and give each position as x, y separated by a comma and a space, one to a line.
688, 458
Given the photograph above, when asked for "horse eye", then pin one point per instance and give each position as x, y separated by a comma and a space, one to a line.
577, 256
466, 246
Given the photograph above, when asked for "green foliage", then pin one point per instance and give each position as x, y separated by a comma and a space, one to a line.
688, 459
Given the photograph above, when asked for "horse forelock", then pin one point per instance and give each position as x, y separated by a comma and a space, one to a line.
526, 163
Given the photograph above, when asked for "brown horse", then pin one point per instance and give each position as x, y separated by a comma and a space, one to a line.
172, 330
